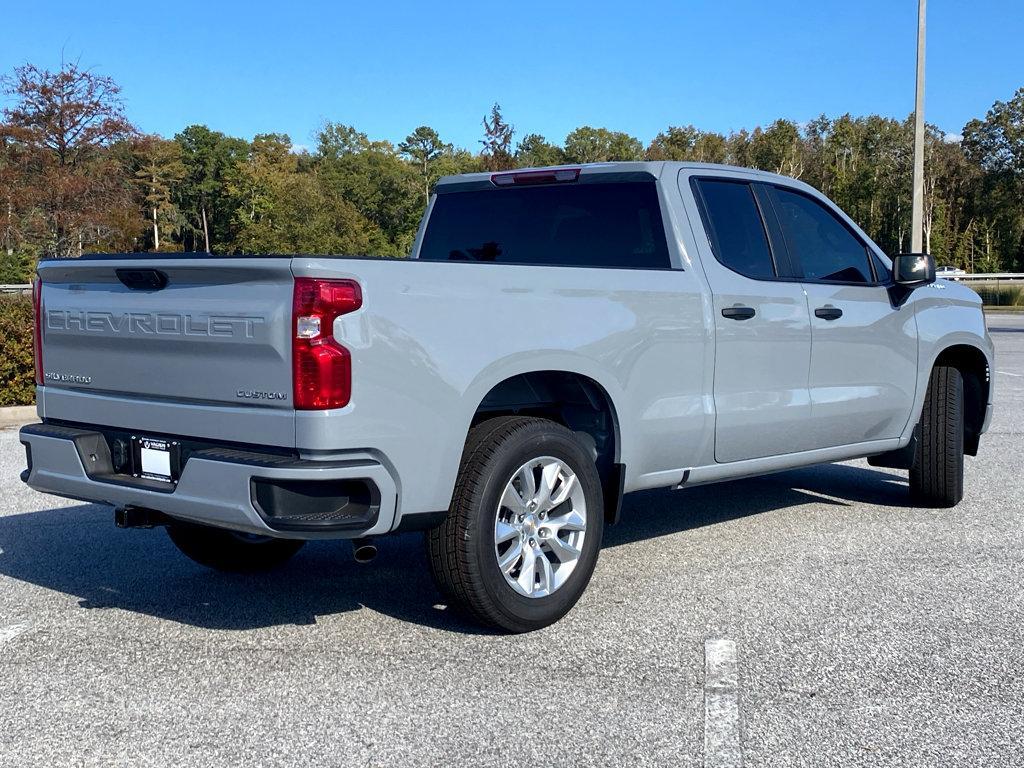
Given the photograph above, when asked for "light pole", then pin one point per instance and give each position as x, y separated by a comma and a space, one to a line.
917, 211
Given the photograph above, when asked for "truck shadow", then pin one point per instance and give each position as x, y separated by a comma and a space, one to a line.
77, 551
650, 514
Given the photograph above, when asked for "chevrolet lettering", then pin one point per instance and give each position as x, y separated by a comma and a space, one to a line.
163, 323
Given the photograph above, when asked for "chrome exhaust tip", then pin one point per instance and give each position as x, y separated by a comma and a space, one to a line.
363, 550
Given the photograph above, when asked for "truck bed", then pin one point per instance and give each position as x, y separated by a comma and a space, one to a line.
208, 355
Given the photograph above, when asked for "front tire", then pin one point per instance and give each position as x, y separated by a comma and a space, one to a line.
524, 529
233, 551
937, 472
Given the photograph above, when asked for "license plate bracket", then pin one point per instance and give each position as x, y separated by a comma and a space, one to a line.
156, 459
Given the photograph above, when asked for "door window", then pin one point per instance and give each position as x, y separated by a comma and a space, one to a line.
735, 228
826, 249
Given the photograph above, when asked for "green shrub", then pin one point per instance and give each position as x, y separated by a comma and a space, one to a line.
17, 266
17, 371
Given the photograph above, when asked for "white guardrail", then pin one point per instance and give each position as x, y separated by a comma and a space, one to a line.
986, 277
15, 288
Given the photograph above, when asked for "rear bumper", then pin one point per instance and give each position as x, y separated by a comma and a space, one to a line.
217, 488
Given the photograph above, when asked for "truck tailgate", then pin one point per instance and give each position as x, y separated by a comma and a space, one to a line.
217, 334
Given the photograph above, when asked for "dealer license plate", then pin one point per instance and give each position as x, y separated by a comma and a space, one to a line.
156, 459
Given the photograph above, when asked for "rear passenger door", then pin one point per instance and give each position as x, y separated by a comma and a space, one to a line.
762, 326
864, 351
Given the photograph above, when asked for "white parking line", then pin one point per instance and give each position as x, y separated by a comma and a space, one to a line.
1007, 373
721, 704
12, 631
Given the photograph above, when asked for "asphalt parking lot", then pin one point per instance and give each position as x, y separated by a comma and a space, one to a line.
866, 632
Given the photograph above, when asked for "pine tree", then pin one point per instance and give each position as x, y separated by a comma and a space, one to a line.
497, 141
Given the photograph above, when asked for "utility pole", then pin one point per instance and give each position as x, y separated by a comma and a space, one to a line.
917, 212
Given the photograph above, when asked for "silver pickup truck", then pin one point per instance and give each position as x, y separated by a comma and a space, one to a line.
558, 337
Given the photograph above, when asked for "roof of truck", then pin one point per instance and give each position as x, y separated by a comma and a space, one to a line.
623, 170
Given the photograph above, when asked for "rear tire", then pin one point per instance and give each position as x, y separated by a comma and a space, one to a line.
557, 525
937, 472
226, 550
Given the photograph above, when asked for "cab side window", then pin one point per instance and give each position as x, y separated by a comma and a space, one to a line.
825, 248
735, 228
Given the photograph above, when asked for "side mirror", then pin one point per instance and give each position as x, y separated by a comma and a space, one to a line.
913, 270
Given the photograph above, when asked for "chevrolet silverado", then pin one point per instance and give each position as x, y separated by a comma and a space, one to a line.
558, 337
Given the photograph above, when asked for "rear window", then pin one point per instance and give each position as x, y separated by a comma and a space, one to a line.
581, 225
737, 231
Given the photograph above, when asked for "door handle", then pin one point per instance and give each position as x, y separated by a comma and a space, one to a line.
738, 312
828, 312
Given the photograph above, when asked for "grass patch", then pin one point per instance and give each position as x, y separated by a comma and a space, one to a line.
1000, 294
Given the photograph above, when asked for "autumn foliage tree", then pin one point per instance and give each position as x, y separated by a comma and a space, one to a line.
12, 181
70, 192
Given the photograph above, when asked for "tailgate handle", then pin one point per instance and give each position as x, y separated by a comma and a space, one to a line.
142, 280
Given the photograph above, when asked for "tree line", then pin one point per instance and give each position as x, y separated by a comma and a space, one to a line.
76, 176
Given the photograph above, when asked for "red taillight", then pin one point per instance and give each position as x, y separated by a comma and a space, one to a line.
543, 176
37, 330
321, 368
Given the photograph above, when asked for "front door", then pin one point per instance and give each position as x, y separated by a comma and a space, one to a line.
863, 372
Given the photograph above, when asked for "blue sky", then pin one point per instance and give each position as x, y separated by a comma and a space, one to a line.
387, 67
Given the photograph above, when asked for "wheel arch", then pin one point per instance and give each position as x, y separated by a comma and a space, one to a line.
974, 368
574, 399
